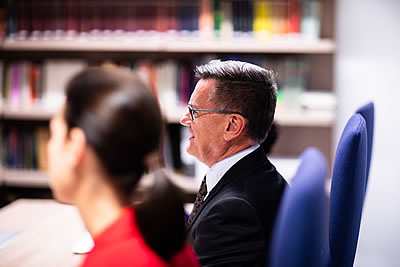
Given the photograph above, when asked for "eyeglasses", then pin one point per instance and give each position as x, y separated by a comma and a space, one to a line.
193, 110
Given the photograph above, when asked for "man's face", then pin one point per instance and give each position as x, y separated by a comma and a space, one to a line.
206, 142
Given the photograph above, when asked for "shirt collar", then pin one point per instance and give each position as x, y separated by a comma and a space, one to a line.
217, 171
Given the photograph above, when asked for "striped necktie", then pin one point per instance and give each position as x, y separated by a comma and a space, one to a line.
199, 200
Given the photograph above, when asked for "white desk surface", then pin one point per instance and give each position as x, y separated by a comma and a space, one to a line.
47, 232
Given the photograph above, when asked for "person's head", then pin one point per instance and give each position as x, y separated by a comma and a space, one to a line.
239, 100
109, 126
112, 116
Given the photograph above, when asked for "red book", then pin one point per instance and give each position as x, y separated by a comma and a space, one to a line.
34, 76
173, 15
72, 23
161, 22
2, 22
206, 19
294, 16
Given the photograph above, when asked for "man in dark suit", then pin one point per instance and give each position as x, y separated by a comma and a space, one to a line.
230, 113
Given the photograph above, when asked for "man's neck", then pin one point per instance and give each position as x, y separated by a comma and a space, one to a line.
232, 149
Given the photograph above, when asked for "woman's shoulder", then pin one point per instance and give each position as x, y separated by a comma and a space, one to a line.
185, 257
125, 253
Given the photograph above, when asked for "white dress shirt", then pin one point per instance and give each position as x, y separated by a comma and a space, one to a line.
217, 171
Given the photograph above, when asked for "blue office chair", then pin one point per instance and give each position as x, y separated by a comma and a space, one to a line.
368, 112
347, 194
301, 221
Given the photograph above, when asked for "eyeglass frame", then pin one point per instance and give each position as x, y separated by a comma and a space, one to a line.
191, 111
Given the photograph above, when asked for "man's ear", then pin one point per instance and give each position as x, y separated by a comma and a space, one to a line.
76, 145
234, 127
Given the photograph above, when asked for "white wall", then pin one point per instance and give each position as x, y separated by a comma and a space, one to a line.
368, 68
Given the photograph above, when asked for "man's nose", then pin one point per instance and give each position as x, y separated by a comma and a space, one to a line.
185, 119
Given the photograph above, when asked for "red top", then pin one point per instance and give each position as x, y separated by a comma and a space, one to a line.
122, 244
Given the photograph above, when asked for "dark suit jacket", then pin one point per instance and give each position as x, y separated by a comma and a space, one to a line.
234, 224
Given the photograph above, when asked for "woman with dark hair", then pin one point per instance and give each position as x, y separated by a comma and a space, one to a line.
101, 144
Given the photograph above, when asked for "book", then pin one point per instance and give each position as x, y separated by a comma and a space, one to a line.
217, 16
11, 13
2, 81
293, 14
72, 20
2, 21
227, 23
206, 20
15, 85
56, 74
41, 136
25, 98
310, 20
167, 72
262, 19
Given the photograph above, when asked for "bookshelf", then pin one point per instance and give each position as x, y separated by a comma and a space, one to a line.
163, 37
158, 45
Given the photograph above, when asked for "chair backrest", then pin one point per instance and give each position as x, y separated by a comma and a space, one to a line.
368, 113
299, 229
347, 194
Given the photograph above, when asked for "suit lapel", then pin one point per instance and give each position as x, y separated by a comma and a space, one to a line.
237, 170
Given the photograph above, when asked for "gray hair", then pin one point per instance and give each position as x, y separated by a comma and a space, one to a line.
245, 88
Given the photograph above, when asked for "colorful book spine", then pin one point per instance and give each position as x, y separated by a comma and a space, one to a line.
293, 13
15, 89
2, 21
227, 20
262, 19
206, 20
217, 16
72, 20
310, 21
25, 148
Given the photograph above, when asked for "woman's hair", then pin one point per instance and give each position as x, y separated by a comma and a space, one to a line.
122, 123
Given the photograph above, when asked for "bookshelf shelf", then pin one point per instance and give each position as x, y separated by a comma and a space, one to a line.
305, 118
26, 113
40, 179
274, 45
28, 178
300, 118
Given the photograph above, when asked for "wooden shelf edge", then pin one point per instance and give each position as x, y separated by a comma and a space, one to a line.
273, 45
305, 118
26, 178
27, 113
